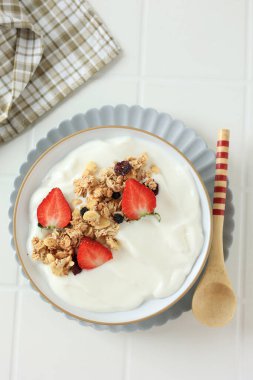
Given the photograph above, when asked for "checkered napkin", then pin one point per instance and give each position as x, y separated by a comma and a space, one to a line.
48, 48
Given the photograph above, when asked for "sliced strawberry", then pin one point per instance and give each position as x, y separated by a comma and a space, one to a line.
92, 254
137, 200
54, 210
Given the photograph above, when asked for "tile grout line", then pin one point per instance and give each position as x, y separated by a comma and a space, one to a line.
242, 240
32, 140
194, 81
243, 210
181, 80
142, 49
15, 337
238, 336
16, 329
248, 126
126, 373
249, 37
18, 288
14, 288
241, 253
139, 100
8, 176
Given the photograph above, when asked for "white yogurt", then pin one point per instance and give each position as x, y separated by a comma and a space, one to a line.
154, 258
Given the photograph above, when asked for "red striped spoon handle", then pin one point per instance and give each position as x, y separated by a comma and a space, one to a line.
214, 301
220, 185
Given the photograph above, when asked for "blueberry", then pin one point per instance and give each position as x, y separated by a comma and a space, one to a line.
118, 218
83, 210
116, 195
122, 168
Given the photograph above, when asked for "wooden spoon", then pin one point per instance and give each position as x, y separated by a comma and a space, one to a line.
214, 301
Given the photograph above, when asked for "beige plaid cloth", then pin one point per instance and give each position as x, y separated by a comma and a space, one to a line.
47, 49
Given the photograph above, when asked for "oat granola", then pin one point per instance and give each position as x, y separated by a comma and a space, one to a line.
96, 211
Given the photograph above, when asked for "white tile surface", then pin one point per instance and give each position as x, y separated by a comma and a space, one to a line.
248, 263
234, 259
247, 364
52, 347
6, 330
96, 93
249, 139
13, 154
8, 267
126, 28
191, 38
193, 59
204, 107
183, 344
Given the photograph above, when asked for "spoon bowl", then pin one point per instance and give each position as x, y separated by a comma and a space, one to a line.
214, 304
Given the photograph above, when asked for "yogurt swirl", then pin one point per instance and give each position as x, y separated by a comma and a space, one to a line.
155, 257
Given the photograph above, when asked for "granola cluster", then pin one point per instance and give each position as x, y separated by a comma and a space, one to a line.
95, 212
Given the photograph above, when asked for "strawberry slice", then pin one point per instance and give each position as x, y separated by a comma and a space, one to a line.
92, 254
137, 200
54, 210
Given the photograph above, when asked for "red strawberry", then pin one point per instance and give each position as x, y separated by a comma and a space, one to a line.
137, 200
54, 210
92, 254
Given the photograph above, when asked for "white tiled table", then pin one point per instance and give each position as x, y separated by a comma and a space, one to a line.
193, 59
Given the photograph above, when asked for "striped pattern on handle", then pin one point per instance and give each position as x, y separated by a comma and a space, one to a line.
220, 185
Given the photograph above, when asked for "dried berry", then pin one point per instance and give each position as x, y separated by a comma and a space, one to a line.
118, 218
75, 268
116, 195
83, 210
156, 190
122, 168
